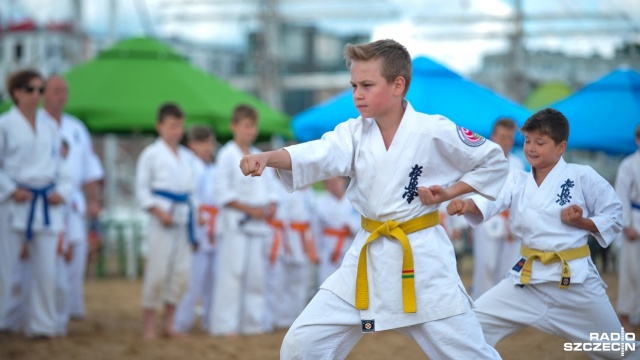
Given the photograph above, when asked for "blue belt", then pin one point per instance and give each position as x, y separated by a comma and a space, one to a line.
635, 205
36, 193
182, 198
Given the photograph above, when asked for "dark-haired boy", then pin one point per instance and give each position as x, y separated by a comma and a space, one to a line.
555, 286
164, 185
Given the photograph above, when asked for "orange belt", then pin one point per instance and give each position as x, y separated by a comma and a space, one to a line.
212, 211
60, 246
278, 229
340, 235
307, 241
505, 214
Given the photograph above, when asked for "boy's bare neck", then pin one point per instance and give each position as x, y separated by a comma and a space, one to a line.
389, 125
171, 146
246, 148
539, 174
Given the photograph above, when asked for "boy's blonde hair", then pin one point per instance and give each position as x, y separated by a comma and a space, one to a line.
244, 111
396, 60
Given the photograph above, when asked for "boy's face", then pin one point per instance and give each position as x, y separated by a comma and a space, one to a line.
540, 150
203, 149
504, 137
373, 96
29, 95
171, 129
245, 131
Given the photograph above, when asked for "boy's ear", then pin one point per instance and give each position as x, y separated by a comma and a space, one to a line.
562, 147
399, 84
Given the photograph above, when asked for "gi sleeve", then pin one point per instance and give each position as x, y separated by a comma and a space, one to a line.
92, 168
7, 186
502, 202
624, 187
481, 161
332, 155
225, 190
604, 207
144, 175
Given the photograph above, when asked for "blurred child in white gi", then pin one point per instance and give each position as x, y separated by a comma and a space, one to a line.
493, 246
338, 222
628, 189
165, 184
201, 141
246, 204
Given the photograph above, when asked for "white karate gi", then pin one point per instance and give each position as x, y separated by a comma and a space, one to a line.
203, 262
535, 220
334, 215
239, 295
382, 188
85, 167
300, 255
30, 158
628, 189
494, 252
169, 256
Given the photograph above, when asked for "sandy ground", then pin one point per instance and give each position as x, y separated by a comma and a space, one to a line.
112, 331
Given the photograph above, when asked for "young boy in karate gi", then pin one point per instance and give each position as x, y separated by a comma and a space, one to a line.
555, 286
165, 183
628, 189
338, 222
201, 140
400, 272
34, 185
493, 246
247, 204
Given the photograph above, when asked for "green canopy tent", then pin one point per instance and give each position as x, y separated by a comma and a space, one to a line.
121, 90
546, 94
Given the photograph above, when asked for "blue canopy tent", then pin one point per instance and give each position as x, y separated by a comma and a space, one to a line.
603, 115
434, 89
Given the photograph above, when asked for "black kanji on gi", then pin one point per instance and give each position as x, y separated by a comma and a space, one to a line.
565, 195
412, 190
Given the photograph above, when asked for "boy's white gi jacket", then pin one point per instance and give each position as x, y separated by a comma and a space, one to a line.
159, 168
426, 150
534, 215
32, 158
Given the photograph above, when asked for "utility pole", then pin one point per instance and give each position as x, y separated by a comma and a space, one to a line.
268, 55
516, 77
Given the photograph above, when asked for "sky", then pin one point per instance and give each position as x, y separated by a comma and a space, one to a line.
457, 44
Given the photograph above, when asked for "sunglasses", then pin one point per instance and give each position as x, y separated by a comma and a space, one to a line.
30, 89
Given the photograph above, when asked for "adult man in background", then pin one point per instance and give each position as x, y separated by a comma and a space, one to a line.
87, 172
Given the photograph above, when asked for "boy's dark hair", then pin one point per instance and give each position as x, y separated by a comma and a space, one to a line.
169, 109
504, 122
395, 58
19, 80
244, 111
548, 122
199, 133
638, 131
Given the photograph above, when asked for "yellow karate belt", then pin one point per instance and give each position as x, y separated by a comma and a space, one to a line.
548, 257
398, 231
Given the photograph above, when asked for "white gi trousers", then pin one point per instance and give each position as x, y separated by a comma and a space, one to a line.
166, 270
9, 256
200, 288
329, 328
78, 264
239, 301
629, 283
571, 313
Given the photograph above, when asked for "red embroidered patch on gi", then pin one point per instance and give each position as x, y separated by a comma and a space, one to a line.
470, 138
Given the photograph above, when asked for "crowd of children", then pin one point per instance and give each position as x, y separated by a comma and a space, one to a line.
376, 250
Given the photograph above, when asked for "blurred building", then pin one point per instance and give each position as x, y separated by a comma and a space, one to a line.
50, 49
544, 66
